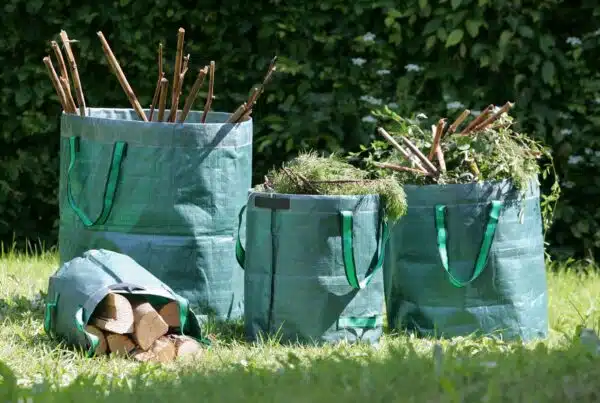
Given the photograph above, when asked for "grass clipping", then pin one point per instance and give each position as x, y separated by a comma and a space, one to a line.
312, 174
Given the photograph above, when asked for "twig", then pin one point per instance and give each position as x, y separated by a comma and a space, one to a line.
121, 77
398, 147
209, 97
428, 165
176, 73
184, 69
184, 66
436, 138
440, 157
55, 82
461, 118
235, 117
193, 93
259, 90
399, 168
161, 74
477, 120
334, 181
494, 117
74, 72
61, 61
164, 88
68, 96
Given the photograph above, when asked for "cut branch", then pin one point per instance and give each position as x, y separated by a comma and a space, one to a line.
74, 72
400, 168
239, 112
494, 117
398, 147
176, 74
161, 74
428, 165
193, 93
477, 120
436, 138
68, 96
112, 60
56, 83
61, 61
461, 118
209, 97
164, 88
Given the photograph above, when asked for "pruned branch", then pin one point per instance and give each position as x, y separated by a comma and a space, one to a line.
161, 75
209, 97
398, 147
193, 93
56, 83
74, 72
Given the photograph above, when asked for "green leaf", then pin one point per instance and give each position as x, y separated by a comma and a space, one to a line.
473, 27
430, 42
548, 72
526, 31
505, 37
456, 4
422, 4
454, 38
463, 50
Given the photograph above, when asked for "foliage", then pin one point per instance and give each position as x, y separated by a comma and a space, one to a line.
336, 61
310, 173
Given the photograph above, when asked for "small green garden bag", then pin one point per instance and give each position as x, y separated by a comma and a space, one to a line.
80, 284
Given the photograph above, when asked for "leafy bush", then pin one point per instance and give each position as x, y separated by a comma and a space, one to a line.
337, 60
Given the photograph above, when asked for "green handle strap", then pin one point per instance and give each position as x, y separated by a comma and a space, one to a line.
110, 187
240, 253
348, 251
93, 339
49, 313
442, 239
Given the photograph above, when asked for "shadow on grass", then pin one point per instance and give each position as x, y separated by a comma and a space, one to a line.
400, 374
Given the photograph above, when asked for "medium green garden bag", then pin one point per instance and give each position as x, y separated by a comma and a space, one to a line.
165, 194
80, 284
468, 259
312, 267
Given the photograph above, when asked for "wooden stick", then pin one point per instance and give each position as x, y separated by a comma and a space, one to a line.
193, 93
399, 168
181, 78
74, 72
176, 73
494, 117
61, 61
56, 83
428, 165
235, 117
461, 118
436, 138
114, 314
477, 120
258, 91
398, 147
68, 96
121, 77
209, 97
164, 88
102, 344
161, 74
148, 325
440, 157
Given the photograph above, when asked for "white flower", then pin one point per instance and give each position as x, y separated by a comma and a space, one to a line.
568, 184
383, 72
368, 37
369, 119
412, 67
358, 61
393, 105
596, 32
454, 105
588, 151
566, 132
597, 100
573, 41
421, 115
371, 100
575, 159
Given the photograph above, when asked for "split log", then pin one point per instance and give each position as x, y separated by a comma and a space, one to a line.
120, 344
148, 325
102, 345
114, 314
164, 350
170, 314
185, 345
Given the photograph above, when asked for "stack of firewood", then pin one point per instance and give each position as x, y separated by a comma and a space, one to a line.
130, 326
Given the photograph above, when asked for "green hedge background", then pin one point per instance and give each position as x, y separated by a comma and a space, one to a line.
337, 60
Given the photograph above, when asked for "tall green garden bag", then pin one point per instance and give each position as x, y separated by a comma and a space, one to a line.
80, 284
468, 259
165, 194
312, 267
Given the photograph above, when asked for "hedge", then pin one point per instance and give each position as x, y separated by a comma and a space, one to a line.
337, 60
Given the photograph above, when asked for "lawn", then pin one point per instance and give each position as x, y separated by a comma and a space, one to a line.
565, 367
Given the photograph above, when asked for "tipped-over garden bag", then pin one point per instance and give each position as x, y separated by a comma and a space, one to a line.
165, 194
80, 284
312, 267
468, 259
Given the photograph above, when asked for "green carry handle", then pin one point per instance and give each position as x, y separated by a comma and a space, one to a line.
442, 240
110, 187
347, 249
49, 312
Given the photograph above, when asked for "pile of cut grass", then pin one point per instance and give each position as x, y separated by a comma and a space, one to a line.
312, 174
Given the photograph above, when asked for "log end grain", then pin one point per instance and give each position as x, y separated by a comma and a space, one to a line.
102, 345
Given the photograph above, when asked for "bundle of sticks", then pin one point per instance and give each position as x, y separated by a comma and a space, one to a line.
424, 164
130, 326
161, 93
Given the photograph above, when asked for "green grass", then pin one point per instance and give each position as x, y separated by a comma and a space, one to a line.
401, 368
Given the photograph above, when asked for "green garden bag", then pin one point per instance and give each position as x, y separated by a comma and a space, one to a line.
468, 259
165, 194
312, 267
80, 284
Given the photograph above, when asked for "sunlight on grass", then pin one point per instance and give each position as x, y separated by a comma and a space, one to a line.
400, 368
